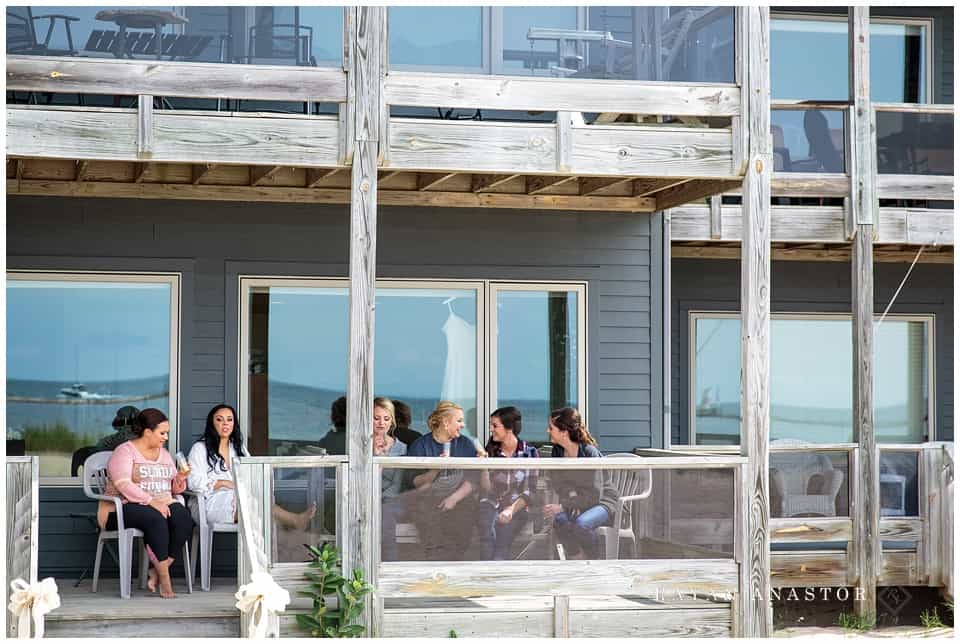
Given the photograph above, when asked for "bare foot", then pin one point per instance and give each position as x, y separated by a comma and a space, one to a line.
152, 580
163, 574
302, 519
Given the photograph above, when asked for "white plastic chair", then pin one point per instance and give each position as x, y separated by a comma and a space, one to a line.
628, 484
95, 487
204, 533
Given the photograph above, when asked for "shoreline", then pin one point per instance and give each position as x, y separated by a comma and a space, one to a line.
84, 401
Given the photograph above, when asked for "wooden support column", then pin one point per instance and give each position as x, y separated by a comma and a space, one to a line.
757, 612
863, 213
367, 42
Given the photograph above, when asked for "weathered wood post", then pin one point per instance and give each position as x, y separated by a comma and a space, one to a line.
862, 215
367, 27
754, 35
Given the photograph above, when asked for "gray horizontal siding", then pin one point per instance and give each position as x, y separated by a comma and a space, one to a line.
217, 242
806, 287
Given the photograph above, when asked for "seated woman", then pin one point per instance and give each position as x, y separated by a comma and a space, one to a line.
384, 444
210, 475
210, 459
505, 495
586, 503
143, 474
443, 503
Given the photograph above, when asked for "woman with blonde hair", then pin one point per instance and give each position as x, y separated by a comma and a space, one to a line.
443, 504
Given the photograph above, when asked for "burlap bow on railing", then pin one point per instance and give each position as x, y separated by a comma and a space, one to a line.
260, 599
36, 599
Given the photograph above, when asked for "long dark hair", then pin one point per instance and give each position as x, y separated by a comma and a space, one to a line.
211, 439
568, 419
510, 418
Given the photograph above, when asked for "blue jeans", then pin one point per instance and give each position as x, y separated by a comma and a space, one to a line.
495, 538
580, 533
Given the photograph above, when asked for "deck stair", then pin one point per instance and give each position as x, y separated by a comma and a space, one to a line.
83, 613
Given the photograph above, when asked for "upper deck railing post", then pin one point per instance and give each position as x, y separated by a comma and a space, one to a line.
754, 75
862, 216
365, 82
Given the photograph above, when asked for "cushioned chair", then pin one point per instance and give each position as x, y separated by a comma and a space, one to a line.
95, 487
203, 533
632, 485
806, 483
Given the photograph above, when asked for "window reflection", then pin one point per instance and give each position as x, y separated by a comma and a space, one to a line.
808, 60
436, 36
811, 391
537, 352
263, 35
425, 350
77, 350
912, 143
808, 140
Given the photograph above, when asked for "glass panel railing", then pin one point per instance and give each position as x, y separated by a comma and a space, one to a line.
808, 140
303, 510
262, 35
914, 143
692, 44
809, 483
532, 511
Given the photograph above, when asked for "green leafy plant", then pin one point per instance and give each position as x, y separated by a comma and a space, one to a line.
931, 619
855, 622
327, 582
453, 633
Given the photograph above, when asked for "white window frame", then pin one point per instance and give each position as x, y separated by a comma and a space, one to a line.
533, 287
486, 329
174, 280
928, 319
926, 23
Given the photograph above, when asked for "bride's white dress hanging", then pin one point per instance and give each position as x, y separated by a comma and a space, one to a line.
460, 373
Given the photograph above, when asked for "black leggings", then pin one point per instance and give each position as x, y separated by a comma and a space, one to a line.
165, 536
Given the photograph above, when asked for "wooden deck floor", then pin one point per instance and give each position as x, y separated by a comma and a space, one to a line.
83, 613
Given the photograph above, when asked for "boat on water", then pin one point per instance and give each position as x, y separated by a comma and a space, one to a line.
79, 391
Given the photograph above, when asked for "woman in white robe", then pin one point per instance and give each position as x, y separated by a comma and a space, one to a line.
210, 466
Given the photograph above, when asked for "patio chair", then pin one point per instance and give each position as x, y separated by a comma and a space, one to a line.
807, 484
95, 487
22, 34
204, 533
628, 484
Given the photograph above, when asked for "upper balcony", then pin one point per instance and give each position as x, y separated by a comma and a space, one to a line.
621, 108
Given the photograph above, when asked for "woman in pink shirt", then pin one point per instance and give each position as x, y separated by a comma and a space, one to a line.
143, 474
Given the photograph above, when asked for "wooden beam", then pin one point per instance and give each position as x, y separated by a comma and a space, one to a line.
261, 174
110, 134
680, 251
693, 190
386, 175
755, 321
645, 187
914, 186
427, 181
140, 170
487, 182
81, 171
716, 221
278, 194
538, 184
818, 224
863, 223
590, 185
201, 170
568, 94
367, 62
165, 78
144, 126
316, 175
566, 122
789, 184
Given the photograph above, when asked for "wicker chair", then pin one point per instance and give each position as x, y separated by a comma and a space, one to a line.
807, 484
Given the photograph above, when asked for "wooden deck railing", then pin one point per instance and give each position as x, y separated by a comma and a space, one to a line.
23, 519
557, 592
